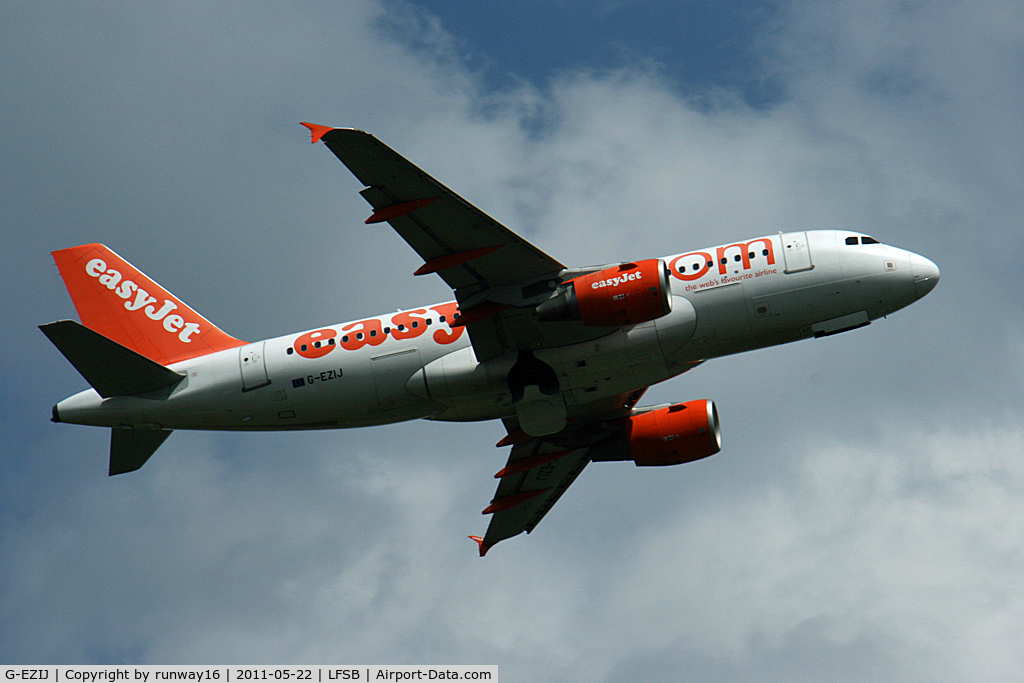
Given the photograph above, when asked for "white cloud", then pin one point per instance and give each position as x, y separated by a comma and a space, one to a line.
913, 537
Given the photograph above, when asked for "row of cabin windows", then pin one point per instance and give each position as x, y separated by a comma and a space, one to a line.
359, 335
711, 264
864, 239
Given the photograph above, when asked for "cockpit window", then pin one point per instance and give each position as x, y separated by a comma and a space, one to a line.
868, 240
851, 240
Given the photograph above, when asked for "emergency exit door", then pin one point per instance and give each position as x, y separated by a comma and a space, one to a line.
253, 366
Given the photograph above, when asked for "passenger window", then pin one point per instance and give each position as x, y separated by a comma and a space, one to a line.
851, 240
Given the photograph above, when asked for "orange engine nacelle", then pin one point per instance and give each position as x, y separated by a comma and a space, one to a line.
627, 294
667, 436
670, 436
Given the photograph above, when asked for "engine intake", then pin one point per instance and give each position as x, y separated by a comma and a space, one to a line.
667, 436
627, 294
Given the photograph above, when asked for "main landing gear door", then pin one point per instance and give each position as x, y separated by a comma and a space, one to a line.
253, 365
796, 252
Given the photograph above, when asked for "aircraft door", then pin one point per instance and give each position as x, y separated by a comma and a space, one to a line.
253, 366
796, 252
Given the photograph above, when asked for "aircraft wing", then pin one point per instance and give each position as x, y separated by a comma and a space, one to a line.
490, 268
540, 469
538, 472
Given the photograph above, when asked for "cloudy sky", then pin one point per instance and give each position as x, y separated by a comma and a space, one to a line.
865, 518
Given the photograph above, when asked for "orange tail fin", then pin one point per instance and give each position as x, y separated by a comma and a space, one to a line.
117, 300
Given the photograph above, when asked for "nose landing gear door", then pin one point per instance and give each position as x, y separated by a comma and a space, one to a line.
253, 366
796, 252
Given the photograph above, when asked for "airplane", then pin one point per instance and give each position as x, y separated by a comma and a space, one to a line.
560, 355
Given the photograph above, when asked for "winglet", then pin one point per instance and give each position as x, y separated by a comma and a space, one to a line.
317, 131
484, 547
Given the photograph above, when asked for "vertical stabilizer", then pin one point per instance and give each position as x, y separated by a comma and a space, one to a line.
117, 300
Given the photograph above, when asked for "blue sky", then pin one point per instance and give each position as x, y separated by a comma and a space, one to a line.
864, 520
697, 46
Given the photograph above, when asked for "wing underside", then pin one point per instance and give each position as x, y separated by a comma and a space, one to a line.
537, 474
540, 469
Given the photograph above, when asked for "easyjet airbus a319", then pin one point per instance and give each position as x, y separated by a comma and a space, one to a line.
560, 355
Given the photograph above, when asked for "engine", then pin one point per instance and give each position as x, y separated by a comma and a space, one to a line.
627, 294
666, 436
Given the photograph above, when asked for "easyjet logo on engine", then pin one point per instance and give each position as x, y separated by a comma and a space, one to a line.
136, 299
616, 281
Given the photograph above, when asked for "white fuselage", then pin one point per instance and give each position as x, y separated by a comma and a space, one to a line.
414, 364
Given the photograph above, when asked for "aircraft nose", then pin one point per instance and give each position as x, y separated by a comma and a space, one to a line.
926, 274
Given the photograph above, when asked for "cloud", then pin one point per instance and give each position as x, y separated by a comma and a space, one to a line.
857, 543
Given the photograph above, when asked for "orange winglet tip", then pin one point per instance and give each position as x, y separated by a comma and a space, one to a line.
450, 260
481, 312
515, 499
317, 131
484, 547
529, 463
388, 213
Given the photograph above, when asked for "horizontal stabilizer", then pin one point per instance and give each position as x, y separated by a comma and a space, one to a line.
111, 369
131, 448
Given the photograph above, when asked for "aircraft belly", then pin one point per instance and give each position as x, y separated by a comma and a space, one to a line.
201, 401
339, 390
465, 389
721, 314
627, 359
